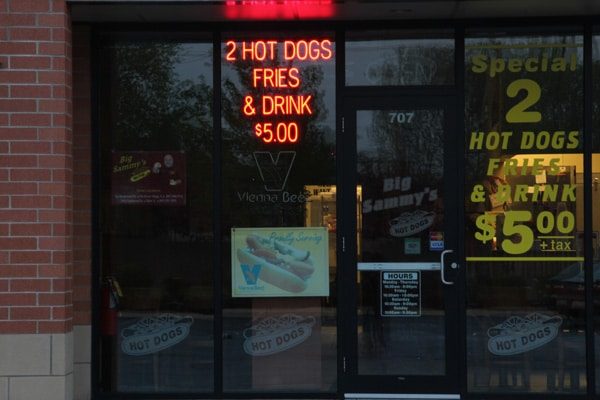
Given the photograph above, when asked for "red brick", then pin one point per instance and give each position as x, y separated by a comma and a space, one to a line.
3, 145
4, 256
3, 122
61, 148
61, 257
17, 215
30, 257
52, 161
65, 312
30, 285
18, 299
61, 202
61, 120
30, 175
4, 285
13, 48
61, 285
52, 77
55, 106
53, 299
54, 326
30, 313
22, 62
18, 188
4, 229
31, 91
3, 175
18, 244
3, 90
4, 200
16, 105
53, 215
7, 327
59, 92
52, 49
53, 243
19, 271
30, 119
31, 147
31, 202
29, 6
60, 35
59, 6
56, 189
18, 133
17, 76
31, 229
3, 313
61, 229
17, 20
52, 20
59, 63
33, 34
80, 315
18, 161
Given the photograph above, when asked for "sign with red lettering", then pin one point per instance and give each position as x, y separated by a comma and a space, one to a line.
278, 103
150, 178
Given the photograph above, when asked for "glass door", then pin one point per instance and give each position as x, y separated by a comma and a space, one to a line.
401, 229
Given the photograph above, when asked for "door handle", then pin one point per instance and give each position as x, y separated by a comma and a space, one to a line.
442, 267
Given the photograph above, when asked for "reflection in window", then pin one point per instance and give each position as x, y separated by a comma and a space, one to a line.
395, 59
524, 214
156, 234
278, 140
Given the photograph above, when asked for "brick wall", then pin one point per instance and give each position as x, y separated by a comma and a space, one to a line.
36, 210
82, 192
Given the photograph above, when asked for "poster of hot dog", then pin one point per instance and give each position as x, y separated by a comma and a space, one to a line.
279, 262
151, 178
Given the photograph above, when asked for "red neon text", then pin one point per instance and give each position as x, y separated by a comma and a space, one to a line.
276, 77
286, 105
261, 50
283, 133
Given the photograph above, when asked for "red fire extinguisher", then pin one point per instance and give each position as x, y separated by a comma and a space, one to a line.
111, 293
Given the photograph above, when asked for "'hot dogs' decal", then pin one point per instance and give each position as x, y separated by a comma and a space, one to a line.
153, 334
518, 335
276, 334
279, 262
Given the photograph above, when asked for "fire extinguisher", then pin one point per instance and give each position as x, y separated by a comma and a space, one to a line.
111, 294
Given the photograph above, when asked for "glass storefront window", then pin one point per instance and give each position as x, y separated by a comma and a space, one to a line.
524, 209
156, 332
379, 58
279, 212
596, 198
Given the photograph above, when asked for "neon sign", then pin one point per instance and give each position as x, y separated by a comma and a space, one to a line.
276, 105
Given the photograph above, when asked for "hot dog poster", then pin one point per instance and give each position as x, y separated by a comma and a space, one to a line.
154, 178
279, 262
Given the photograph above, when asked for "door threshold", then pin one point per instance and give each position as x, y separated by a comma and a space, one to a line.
407, 396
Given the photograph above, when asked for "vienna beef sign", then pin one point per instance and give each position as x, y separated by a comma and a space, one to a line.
277, 103
526, 147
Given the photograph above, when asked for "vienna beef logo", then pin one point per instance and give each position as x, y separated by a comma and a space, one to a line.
274, 170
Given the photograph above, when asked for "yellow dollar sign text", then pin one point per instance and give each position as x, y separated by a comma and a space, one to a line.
486, 223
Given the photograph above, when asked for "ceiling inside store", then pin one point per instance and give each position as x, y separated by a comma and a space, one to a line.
240, 10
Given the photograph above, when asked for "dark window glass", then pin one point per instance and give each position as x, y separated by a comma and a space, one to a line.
596, 197
524, 208
279, 188
380, 58
155, 217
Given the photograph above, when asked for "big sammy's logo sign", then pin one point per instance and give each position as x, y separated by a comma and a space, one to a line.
406, 198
